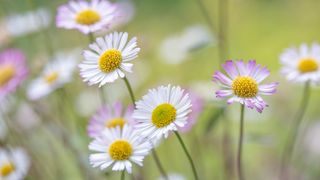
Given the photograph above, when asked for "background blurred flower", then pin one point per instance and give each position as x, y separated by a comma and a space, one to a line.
301, 64
108, 58
196, 109
25, 117
13, 70
162, 110
311, 140
123, 15
243, 84
14, 164
173, 176
175, 49
110, 117
17, 25
85, 16
55, 74
118, 147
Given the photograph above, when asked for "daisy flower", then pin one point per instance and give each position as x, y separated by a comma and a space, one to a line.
242, 83
162, 110
14, 164
301, 64
18, 25
109, 117
85, 16
108, 58
118, 147
13, 71
55, 75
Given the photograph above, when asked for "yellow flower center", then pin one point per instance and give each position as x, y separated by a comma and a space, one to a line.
7, 72
6, 169
51, 78
245, 87
115, 122
307, 65
110, 60
120, 150
88, 17
163, 115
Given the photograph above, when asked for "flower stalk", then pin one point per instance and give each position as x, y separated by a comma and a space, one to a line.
240, 144
188, 155
154, 153
293, 134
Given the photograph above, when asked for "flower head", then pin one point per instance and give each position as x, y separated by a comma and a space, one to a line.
13, 71
302, 64
162, 110
55, 74
118, 147
14, 164
87, 17
109, 117
242, 83
108, 58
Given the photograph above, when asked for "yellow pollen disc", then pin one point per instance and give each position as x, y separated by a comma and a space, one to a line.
88, 17
163, 115
6, 169
110, 60
307, 65
120, 150
245, 87
52, 77
115, 122
7, 72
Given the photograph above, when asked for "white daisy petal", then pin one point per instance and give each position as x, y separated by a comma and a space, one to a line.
106, 60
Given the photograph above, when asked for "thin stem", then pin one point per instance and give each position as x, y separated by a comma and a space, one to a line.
91, 37
223, 21
188, 155
123, 175
223, 30
102, 96
292, 136
239, 157
45, 31
154, 154
206, 14
159, 165
130, 91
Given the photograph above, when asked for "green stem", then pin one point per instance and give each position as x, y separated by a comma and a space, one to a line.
130, 91
206, 14
102, 96
292, 136
188, 155
91, 37
239, 156
159, 165
227, 147
154, 154
123, 175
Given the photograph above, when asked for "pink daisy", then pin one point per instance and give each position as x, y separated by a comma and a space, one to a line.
87, 17
109, 117
13, 70
242, 83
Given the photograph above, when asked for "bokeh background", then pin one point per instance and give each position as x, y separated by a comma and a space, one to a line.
256, 29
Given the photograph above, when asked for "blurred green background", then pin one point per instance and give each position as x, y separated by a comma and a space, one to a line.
257, 29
